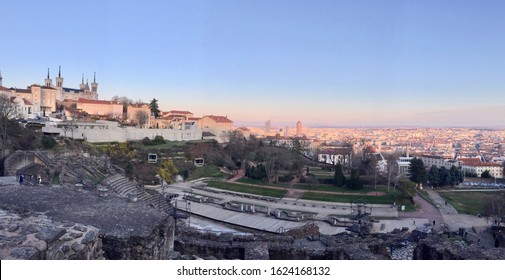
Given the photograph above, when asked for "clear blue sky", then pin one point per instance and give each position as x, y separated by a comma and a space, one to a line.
322, 62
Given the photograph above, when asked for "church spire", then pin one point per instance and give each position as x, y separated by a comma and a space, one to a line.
59, 72
82, 78
94, 77
48, 81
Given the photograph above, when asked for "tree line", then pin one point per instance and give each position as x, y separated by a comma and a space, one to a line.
436, 176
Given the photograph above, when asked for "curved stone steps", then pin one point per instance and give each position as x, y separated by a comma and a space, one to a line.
122, 186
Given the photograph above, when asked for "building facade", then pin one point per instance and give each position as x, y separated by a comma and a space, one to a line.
100, 107
43, 99
217, 125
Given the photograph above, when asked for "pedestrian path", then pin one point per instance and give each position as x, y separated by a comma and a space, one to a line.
444, 207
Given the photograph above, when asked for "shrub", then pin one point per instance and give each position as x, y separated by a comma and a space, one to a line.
48, 142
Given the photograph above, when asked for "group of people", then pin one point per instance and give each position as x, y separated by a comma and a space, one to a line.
29, 179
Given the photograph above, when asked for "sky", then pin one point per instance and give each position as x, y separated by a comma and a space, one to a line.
324, 62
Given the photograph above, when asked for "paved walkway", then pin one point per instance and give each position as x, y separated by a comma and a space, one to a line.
240, 174
426, 211
444, 207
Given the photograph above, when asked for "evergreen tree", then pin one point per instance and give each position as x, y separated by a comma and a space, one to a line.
418, 173
445, 176
455, 175
154, 108
355, 182
433, 176
486, 174
339, 176
407, 189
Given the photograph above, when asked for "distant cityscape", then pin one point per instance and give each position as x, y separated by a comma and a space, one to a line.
473, 149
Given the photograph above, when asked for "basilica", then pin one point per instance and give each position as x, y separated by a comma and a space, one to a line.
42, 99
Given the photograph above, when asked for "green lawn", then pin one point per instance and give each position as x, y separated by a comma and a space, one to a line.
247, 189
469, 202
207, 171
253, 181
388, 198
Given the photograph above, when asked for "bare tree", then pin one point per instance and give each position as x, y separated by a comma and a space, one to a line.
274, 159
392, 168
142, 117
8, 110
495, 207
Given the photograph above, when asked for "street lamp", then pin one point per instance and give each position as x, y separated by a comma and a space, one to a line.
188, 209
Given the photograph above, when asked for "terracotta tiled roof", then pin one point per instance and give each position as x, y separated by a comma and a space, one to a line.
220, 119
4, 89
23, 90
469, 161
475, 164
194, 119
92, 101
176, 112
138, 105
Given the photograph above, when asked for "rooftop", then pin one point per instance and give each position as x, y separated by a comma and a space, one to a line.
219, 119
92, 101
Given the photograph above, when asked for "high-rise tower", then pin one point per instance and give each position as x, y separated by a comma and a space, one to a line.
299, 128
268, 126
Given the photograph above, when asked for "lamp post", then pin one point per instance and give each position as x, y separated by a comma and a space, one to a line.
188, 209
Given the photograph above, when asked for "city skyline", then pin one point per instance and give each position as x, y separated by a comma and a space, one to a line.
330, 63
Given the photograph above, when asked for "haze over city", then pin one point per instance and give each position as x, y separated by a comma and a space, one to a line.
327, 63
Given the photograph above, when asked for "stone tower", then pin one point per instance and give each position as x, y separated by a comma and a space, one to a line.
59, 86
94, 88
59, 79
48, 81
82, 85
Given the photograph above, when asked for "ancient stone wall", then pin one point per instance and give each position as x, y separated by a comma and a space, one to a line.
36, 237
154, 246
439, 247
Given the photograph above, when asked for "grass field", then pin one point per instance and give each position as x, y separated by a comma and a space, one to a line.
388, 198
253, 181
207, 171
469, 202
247, 189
